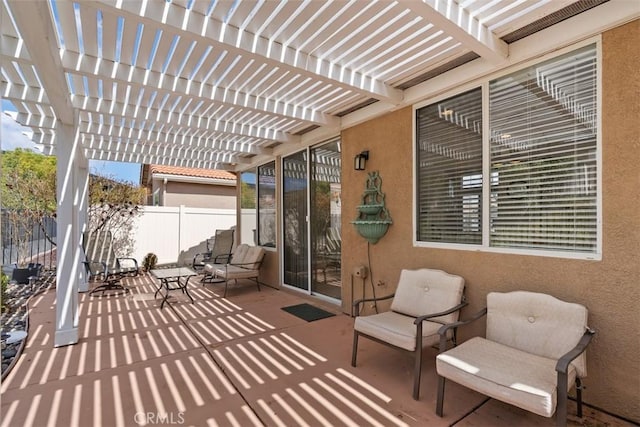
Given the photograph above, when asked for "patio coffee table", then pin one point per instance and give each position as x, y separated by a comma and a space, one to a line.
173, 279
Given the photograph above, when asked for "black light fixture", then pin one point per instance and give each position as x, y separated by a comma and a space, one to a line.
360, 160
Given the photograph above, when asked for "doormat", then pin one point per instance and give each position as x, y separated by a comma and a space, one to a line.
307, 312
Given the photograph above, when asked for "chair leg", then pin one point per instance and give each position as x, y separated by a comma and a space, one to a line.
258, 284
226, 284
417, 371
440, 398
354, 352
579, 396
561, 409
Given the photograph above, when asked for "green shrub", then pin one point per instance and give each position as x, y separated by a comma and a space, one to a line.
149, 262
4, 281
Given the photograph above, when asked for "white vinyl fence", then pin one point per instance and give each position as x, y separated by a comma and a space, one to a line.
176, 234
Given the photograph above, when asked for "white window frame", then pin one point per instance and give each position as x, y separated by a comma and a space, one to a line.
486, 190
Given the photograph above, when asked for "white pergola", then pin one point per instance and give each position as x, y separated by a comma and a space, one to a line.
230, 84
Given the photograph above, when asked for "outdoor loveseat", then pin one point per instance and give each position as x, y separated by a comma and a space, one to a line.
244, 264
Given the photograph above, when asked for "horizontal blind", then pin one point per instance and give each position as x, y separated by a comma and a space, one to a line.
543, 139
449, 170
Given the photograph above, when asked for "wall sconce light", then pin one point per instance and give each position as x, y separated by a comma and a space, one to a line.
360, 160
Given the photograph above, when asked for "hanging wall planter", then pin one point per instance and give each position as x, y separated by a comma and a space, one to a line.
373, 217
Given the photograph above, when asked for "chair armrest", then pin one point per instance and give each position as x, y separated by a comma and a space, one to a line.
204, 255
442, 313
356, 304
256, 264
567, 358
242, 264
445, 328
222, 259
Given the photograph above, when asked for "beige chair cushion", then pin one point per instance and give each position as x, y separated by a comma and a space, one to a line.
234, 272
419, 292
520, 378
211, 268
428, 291
240, 254
253, 257
247, 256
536, 323
397, 329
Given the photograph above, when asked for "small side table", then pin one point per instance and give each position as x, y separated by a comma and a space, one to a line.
172, 279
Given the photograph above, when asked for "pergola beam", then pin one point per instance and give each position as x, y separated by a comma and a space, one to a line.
244, 43
463, 27
36, 28
89, 66
226, 142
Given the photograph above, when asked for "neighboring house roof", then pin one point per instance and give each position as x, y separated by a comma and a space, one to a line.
201, 173
175, 173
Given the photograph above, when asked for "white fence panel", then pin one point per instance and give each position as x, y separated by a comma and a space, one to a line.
248, 226
176, 234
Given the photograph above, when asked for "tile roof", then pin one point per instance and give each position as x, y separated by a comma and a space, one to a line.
200, 173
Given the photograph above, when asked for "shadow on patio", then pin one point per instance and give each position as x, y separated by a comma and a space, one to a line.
239, 361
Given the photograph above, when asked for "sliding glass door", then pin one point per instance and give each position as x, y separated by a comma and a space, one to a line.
326, 242
294, 209
311, 220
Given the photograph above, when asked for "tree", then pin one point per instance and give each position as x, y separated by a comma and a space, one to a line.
248, 195
28, 194
113, 206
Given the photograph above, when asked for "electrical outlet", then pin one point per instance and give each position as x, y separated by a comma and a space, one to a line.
381, 283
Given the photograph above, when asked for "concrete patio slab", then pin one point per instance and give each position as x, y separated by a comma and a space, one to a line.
236, 361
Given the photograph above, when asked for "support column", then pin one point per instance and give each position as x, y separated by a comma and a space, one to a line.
83, 209
67, 272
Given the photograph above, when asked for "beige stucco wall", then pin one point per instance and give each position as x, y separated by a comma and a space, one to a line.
610, 288
196, 195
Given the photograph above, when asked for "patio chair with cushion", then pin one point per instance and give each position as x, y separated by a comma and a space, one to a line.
244, 264
218, 251
533, 353
424, 301
103, 264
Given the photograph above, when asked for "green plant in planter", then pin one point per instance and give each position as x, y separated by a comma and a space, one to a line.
149, 262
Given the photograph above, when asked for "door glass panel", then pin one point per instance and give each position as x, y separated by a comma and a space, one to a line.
267, 205
326, 242
248, 207
294, 220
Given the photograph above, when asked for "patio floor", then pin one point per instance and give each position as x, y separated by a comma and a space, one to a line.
236, 361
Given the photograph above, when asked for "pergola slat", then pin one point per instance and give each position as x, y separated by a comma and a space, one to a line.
248, 75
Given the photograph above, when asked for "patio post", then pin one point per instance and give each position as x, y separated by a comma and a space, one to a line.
83, 209
69, 154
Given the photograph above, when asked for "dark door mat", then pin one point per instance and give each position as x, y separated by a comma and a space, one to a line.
307, 312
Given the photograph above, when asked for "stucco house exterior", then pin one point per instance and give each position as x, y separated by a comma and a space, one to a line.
505, 134
607, 283
197, 188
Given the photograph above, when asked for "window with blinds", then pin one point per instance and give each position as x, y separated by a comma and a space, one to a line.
543, 155
449, 170
540, 181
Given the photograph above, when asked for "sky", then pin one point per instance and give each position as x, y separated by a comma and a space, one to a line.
14, 136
